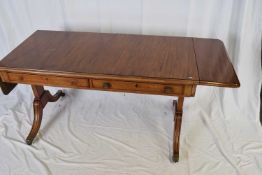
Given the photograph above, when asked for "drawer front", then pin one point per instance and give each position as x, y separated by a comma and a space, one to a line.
48, 80
148, 88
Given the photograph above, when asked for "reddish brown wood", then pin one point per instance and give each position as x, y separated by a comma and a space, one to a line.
177, 127
116, 62
132, 85
42, 97
155, 58
108, 54
146, 88
52, 80
38, 112
214, 67
38, 91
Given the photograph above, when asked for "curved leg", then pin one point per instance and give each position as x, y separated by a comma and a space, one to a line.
177, 127
54, 98
42, 97
38, 113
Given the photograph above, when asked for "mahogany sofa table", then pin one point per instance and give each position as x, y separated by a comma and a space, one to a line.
145, 64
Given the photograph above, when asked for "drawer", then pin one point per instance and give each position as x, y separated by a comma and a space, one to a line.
148, 88
50, 80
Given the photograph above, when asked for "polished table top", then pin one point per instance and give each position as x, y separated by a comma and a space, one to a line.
190, 60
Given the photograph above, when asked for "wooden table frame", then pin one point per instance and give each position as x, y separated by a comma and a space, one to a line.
180, 83
42, 97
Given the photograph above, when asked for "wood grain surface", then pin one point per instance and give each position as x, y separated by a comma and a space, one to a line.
214, 67
169, 59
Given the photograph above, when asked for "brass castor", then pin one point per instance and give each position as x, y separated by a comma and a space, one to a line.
175, 158
42, 97
29, 141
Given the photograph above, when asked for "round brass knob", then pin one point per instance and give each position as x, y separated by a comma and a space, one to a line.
106, 85
168, 89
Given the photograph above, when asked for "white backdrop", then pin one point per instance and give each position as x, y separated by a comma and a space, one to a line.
91, 132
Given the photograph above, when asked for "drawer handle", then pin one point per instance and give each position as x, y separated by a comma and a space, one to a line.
168, 89
106, 85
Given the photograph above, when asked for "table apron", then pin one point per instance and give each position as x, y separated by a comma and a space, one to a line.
187, 90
